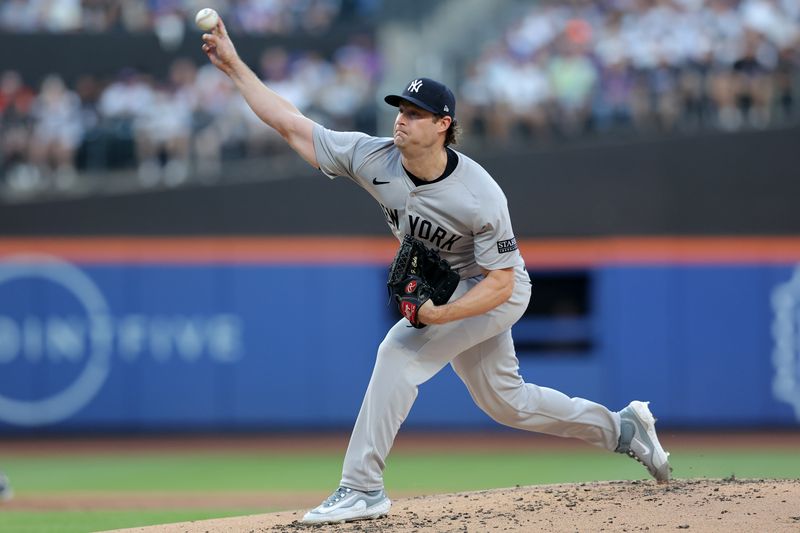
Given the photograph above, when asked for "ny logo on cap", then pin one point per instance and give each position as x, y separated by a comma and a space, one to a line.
414, 87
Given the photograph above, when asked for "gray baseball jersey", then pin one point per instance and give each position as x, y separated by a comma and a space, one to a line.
465, 217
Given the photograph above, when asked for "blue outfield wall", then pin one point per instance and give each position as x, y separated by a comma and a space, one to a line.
256, 347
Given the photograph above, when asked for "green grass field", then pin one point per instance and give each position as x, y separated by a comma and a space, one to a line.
406, 472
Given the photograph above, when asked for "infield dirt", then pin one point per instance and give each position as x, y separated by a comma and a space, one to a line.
695, 505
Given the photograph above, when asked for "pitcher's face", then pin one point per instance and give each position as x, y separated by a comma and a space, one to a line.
415, 127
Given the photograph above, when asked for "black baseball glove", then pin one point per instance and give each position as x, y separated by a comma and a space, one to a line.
417, 275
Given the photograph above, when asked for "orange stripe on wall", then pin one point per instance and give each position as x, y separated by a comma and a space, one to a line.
552, 253
207, 249
661, 250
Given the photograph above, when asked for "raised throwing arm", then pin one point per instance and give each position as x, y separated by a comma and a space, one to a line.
269, 106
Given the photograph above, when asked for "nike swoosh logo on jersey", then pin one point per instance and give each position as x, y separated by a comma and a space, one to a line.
376, 182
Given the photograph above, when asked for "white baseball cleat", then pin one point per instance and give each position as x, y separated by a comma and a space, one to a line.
346, 504
638, 439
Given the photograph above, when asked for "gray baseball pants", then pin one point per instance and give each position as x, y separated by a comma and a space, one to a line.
481, 352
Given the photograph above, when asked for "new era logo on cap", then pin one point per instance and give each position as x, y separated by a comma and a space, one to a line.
428, 94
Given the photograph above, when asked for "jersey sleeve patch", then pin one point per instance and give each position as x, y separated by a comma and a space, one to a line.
506, 246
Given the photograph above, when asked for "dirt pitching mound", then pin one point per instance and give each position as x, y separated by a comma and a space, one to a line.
697, 505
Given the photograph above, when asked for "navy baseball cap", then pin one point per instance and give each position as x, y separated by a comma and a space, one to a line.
429, 95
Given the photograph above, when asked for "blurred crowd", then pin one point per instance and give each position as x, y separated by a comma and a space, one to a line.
242, 16
169, 129
571, 68
563, 69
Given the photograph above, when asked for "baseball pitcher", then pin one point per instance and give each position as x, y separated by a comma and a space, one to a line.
459, 283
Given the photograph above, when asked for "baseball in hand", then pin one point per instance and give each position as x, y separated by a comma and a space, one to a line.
206, 19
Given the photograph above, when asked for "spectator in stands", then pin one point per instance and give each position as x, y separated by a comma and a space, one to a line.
476, 101
218, 124
19, 16
614, 103
16, 101
787, 84
61, 15
360, 53
261, 17
119, 104
662, 79
315, 16
57, 132
102, 15
88, 88
754, 81
695, 90
723, 94
135, 15
525, 96
162, 129
573, 76
346, 97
